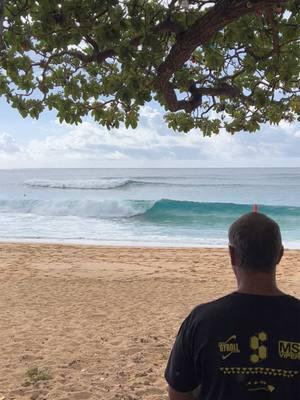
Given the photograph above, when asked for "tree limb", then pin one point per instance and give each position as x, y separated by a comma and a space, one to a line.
2, 4
168, 26
216, 18
222, 89
274, 29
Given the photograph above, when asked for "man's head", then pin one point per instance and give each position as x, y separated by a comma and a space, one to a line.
255, 243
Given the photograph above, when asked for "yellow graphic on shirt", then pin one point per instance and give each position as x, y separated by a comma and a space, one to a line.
284, 373
228, 347
259, 349
289, 350
255, 386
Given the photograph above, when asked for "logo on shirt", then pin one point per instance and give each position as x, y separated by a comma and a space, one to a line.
257, 344
229, 347
289, 350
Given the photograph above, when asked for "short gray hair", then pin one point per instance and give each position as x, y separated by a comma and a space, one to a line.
256, 239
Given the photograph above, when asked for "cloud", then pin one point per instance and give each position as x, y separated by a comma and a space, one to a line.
152, 144
116, 155
8, 144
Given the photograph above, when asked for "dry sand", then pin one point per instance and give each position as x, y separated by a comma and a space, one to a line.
101, 320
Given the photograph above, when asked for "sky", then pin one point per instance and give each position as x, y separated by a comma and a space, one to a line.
44, 143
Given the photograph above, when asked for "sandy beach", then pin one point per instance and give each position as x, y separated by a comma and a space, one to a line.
83, 322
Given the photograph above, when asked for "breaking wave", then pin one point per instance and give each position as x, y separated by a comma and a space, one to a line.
90, 184
160, 211
117, 183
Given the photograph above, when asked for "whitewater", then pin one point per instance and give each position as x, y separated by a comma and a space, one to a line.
160, 207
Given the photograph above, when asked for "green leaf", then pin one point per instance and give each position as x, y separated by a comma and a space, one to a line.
54, 58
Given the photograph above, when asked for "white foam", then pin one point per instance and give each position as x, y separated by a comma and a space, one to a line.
80, 208
92, 184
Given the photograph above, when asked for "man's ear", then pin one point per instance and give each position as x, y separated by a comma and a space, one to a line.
232, 255
280, 254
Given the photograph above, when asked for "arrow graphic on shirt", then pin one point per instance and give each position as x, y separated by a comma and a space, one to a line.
268, 388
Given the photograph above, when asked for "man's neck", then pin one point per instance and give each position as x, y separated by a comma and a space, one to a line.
261, 292
258, 283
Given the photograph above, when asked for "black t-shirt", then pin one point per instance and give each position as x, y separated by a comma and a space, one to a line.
239, 347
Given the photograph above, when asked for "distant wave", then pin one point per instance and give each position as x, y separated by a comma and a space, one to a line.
160, 211
100, 184
95, 184
118, 183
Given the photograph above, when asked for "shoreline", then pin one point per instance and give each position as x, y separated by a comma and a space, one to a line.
109, 244
125, 244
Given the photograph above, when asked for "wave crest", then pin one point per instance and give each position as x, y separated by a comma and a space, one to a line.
77, 208
90, 184
160, 211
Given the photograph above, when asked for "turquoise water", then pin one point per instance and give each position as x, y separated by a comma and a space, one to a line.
164, 207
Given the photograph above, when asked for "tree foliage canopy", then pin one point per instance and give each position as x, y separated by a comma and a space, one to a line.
210, 64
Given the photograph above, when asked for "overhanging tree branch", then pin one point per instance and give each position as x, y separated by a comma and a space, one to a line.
216, 18
87, 57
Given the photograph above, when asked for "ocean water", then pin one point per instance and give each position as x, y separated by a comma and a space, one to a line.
161, 207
